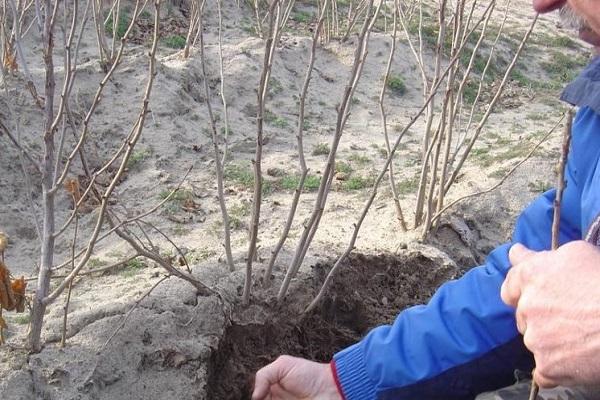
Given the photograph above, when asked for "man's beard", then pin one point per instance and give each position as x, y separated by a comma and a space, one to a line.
571, 20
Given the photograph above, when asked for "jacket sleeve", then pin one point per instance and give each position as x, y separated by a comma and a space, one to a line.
464, 341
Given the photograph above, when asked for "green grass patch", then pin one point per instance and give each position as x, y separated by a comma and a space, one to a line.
132, 268
276, 120
535, 116
96, 262
175, 41
177, 200
548, 40
199, 255
122, 25
357, 183
290, 182
563, 41
138, 157
499, 173
485, 158
146, 15
275, 87
237, 214
407, 186
563, 67
396, 84
343, 167
239, 174
181, 230
470, 91
243, 175
22, 319
240, 210
180, 195
320, 149
359, 159
539, 186
302, 16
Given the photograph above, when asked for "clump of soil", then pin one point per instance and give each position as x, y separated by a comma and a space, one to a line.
369, 291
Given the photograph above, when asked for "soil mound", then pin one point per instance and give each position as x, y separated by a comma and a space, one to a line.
369, 291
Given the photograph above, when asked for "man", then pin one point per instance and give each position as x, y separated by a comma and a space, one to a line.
525, 300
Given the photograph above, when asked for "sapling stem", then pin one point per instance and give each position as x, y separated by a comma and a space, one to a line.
557, 204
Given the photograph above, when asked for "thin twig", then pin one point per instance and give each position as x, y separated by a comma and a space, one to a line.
22, 150
126, 317
222, 74
557, 204
63, 339
386, 76
561, 179
168, 239
130, 220
504, 178
215, 142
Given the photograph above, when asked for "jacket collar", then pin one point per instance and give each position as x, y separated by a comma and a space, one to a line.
585, 90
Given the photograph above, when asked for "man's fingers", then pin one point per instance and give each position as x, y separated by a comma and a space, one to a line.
262, 385
512, 286
543, 381
519, 253
269, 375
510, 292
521, 323
265, 377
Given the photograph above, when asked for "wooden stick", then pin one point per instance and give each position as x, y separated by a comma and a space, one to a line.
557, 203
561, 180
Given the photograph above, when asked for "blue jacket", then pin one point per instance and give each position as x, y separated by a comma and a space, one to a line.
465, 341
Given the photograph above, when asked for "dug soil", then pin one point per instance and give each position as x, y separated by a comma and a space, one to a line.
368, 291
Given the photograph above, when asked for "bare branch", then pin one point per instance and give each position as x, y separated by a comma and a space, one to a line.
561, 179
503, 179
126, 317
380, 177
386, 76
270, 44
215, 141
343, 113
63, 339
492, 103
299, 138
127, 221
102, 212
22, 150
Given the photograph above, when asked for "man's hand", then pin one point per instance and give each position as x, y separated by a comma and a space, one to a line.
557, 300
292, 378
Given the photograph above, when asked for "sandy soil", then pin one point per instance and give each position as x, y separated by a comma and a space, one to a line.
169, 346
